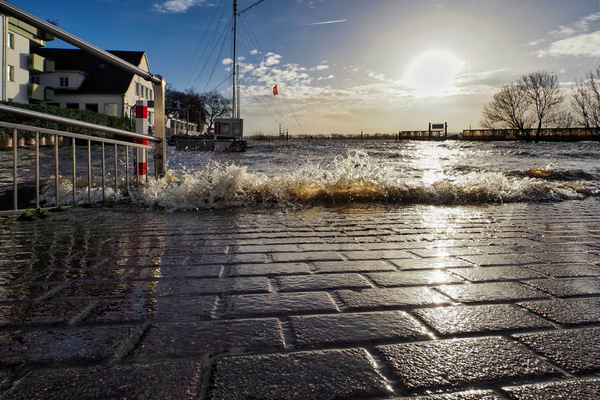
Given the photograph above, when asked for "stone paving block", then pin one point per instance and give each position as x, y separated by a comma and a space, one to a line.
392, 297
279, 304
173, 380
576, 311
483, 274
28, 292
413, 278
306, 256
431, 263
490, 292
330, 374
567, 270
188, 271
356, 327
159, 308
569, 257
96, 290
500, 259
222, 285
567, 287
269, 269
459, 362
269, 248
327, 246
377, 255
42, 313
445, 251
581, 389
216, 259
87, 344
481, 318
321, 282
353, 266
470, 395
210, 337
576, 350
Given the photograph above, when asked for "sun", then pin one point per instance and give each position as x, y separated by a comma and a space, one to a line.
433, 73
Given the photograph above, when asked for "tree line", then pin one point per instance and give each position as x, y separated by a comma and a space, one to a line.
201, 109
536, 102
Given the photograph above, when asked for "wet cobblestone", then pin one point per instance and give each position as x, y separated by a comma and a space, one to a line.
430, 303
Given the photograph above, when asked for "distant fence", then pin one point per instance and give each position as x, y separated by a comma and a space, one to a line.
555, 134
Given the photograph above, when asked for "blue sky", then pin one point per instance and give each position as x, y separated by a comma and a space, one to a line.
346, 65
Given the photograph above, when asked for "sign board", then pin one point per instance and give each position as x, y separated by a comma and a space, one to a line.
229, 127
437, 126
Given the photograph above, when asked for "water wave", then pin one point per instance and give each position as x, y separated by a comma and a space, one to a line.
353, 179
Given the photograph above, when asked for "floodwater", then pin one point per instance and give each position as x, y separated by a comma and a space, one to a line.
301, 173
326, 172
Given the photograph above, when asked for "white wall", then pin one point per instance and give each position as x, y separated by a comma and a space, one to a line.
82, 100
17, 57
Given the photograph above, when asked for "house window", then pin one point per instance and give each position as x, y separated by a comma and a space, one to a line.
151, 94
137, 88
54, 104
111, 109
147, 92
64, 81
91, 107
73, 105
35, 80
11, 40
11, 73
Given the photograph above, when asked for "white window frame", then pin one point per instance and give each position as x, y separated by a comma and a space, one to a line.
11, 40
64, 81
10, 73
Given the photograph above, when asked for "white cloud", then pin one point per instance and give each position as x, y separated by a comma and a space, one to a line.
176, 6
581, 26
272, 59
254, 52
586, 44
320, 67
227, 61
376, 76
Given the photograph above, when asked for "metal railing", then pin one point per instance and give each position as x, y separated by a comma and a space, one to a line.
74, 137
158, 85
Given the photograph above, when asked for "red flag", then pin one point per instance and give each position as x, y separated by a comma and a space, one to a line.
275, 91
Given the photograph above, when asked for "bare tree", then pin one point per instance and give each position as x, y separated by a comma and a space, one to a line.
585, 100
545, 97
216, 106
509, 108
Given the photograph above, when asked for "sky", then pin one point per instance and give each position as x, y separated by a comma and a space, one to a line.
345, 66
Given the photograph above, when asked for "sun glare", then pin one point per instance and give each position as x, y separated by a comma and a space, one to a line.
433, 73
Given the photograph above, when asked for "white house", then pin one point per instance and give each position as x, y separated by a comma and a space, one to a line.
17, 42
83, 81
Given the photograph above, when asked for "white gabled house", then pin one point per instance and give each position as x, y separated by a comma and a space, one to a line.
83, 81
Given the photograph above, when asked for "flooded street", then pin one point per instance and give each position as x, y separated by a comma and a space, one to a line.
494, 301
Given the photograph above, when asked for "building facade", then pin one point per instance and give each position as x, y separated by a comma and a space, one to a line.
18, 41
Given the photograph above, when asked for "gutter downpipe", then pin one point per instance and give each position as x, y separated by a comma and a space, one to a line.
157, 80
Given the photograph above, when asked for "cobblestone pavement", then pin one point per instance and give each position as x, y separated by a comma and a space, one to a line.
426, 302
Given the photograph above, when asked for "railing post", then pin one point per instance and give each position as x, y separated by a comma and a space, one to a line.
15, 176
37, 170
160, 149
56, 180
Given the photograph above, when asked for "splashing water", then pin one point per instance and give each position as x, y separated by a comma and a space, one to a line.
353, 178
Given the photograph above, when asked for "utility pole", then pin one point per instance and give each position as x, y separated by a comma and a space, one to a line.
233, 104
